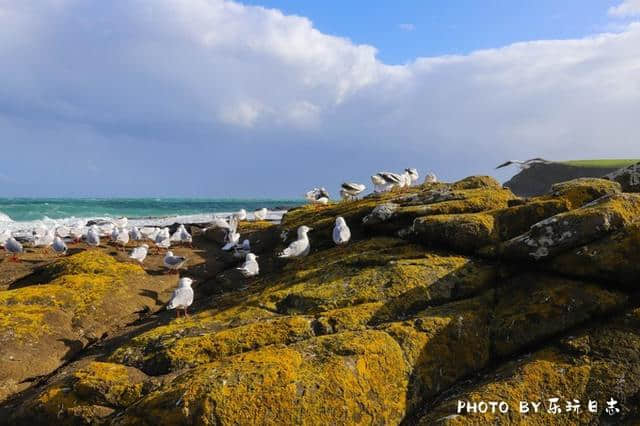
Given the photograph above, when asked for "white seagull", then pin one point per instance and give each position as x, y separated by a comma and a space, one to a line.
250, 267
430, 178
93, 238
241, 214
182, 235
59, 246
299, 247
413, 175
135, 234
350, 190
173, 263
163, 239
341, 232
260, 214
114, 234
140, 253
317, 196
123, 238
231, 239
182, 296
14, 247
384, 181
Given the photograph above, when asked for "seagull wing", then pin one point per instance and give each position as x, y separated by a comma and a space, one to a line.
505, 164
296, 248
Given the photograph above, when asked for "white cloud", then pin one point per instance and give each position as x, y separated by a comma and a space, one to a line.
407, 27
626, 8
210, 70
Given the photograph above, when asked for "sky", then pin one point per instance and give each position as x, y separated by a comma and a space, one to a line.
211, 98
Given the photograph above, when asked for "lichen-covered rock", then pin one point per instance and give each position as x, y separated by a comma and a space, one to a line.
628, 178
597, 364
568, 230
614, 259
476, 182
43, 325
581, 191
347, 378
471, 231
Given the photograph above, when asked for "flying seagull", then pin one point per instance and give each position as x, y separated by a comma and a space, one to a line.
524, 164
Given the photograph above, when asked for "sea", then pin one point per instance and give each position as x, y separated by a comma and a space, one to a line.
18, 214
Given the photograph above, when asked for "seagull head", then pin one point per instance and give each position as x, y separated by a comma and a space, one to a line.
340, 221
302, 231
250, 257
169, 253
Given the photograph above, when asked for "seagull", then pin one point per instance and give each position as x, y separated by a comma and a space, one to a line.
149, 232
413, 174
105, 229
140, 253
135, 234
182, 235
93, 238
14, 247
524, 164
430, 178
44, 240
299, 247
173, 263
76, 233
114, 234
231, 239
250, 267
341, 232
162, 241
182, 296
317, 196
350, 190
4, 236
384, 181
241, 214
123, 238
59, 246
260, 214
219, 222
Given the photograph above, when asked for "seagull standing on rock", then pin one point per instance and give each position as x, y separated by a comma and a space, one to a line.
413, 175
250, 267
431, 178
93, 238
341, 232
135, 234
241, 215
140, 253
14, 247
350, 190
260, 214
123, 238
385, 181
182, 296
317, 196
59, 246
173, 263
299, 247
182, 235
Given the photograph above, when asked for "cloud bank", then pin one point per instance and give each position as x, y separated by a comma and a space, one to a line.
211, 97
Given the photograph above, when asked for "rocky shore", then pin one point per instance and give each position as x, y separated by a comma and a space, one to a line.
446, 293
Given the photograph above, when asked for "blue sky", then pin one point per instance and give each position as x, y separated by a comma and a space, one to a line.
405, 30
214, 98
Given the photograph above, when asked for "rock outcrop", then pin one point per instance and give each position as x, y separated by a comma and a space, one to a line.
446, 293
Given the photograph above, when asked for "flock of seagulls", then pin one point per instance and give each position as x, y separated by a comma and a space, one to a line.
121, 235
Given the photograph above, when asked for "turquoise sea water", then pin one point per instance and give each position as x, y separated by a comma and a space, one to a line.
32, 209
